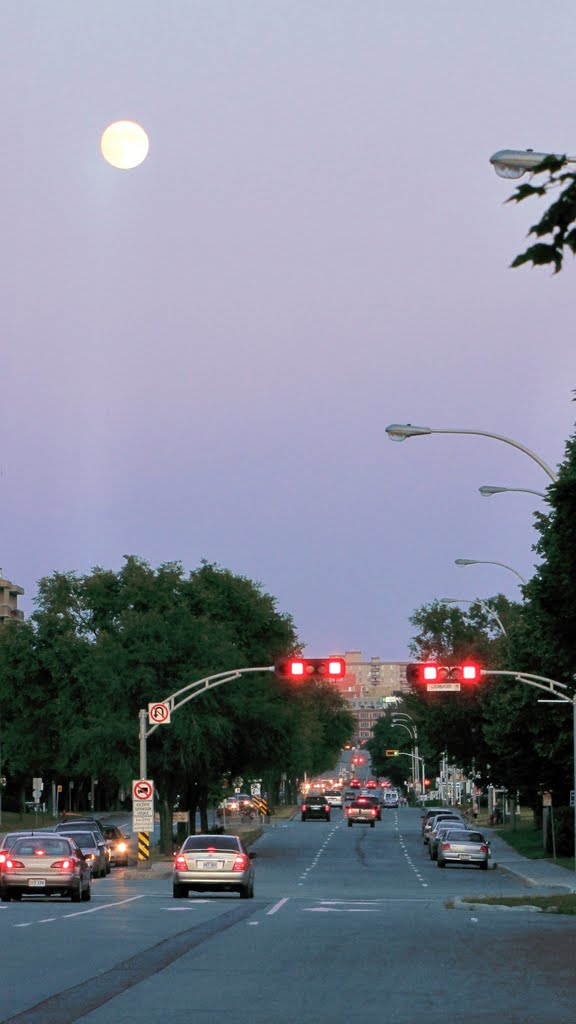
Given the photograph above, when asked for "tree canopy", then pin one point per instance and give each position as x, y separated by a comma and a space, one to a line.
558, 222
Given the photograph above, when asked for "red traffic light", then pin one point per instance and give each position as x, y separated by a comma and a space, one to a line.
311, 668
429, 672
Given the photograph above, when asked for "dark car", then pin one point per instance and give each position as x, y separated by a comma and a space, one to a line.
46, 865
117, 843
315, 806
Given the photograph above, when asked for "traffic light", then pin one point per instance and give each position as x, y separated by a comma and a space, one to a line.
429, 672
392, 753
300, 669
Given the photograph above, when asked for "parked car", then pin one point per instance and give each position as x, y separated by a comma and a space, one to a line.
45, 865
438, 832
213, 863
432, 822
315, 806
464, 847
431, 812
93, 846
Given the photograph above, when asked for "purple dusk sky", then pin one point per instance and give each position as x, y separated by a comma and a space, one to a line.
200, 356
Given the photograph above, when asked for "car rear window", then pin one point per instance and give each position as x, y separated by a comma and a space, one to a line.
211, 842
463, 836
83, 838
28, 847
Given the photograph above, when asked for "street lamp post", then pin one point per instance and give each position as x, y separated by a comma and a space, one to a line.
415, 765
398, 715
487, 491
482, 561
476, 600
400, 431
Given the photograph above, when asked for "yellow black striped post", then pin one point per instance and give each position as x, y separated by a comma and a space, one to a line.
143, 850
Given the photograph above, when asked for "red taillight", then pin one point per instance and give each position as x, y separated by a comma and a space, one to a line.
10, 864
303, 807
372, 810
327, 808
483, 849
64, 865
180, 863
446, 846
240, 863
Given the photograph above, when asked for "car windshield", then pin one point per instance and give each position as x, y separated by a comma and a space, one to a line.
30, 847
216, 843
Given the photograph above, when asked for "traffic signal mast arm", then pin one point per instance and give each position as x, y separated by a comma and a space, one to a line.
200, 686
531, 680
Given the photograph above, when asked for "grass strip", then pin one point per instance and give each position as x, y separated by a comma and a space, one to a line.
564, 904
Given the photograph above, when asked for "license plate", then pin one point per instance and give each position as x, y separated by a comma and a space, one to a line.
464, 856
36, 883
210, 865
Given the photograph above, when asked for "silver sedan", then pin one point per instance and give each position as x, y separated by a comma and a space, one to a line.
463, 848
212, 863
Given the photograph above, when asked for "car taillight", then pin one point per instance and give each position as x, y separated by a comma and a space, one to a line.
372, 810
303, 807
10, 864
64, 865
180, 863
327, 808
446, 846
483, 848
240, 863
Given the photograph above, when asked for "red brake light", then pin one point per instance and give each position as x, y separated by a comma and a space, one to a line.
210, 849
39, 853
180, 863
483, 848
303, 807
10, 864
327, 808
240, 863
446, 846
373, 810
64, 865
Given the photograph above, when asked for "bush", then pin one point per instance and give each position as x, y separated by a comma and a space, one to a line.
563, 832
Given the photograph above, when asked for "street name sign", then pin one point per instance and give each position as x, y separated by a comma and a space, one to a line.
442, 686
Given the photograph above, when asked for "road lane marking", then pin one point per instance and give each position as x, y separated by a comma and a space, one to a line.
342, 910
105, 906
277, 906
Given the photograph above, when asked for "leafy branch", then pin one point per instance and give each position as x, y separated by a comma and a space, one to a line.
558, 223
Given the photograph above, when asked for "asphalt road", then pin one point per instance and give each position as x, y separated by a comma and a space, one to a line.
347, 925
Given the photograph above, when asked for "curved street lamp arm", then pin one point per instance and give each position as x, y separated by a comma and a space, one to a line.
500, 437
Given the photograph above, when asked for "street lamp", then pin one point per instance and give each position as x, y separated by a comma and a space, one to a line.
401, 715
487, 491
476, 600
513, 163
400, 431
415, 765
481, 561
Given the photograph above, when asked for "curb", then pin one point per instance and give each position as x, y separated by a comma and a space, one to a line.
460, 904
534, 882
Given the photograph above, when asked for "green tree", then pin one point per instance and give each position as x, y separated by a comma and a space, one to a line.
558, 223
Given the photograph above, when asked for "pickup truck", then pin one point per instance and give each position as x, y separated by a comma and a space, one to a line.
361, 813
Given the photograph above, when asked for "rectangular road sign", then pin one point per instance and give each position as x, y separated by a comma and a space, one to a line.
442, 686
142, 805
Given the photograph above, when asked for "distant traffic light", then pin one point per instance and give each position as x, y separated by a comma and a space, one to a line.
392, 753
429, 672
310, 668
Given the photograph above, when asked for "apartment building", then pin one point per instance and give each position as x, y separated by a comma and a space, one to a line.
9, 594
369, 687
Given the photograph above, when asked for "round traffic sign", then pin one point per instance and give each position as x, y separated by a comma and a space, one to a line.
142, 790
158, 714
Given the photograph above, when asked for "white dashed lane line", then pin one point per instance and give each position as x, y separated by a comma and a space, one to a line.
404, 849
311, 867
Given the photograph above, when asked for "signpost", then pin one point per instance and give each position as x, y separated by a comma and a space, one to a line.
143, 816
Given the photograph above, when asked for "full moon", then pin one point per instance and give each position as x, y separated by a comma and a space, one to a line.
124, 144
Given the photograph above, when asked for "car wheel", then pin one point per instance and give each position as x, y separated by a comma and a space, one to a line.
441, 863
349, 824
76, 894
245, 892
102, 873
372, 823
484, 865
433, 856
6, 897
87, 894
108, 868
179, 892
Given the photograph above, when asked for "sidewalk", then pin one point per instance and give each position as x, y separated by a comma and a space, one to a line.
541, 874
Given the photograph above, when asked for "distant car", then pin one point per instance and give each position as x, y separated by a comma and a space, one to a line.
213, 863
371, 784
349, 795
334, 797
464, 847
72, 824
432, 822
93, 847
8, 840
431, 812
390, 798
45, 865
118, 845
361, 813
315, 806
